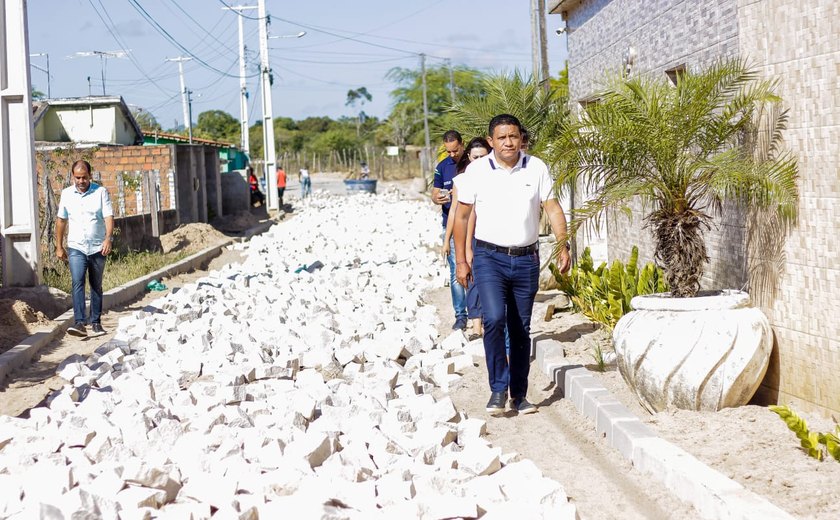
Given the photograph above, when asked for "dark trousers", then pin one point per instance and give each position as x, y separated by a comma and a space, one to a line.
507, 286
280, 192
94, 266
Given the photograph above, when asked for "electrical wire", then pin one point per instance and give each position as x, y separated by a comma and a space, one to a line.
163, 32
232, 8
121, 44
208, 32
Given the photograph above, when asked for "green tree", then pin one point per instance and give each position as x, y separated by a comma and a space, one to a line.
217, 125
682, 151
541, 112
37, 94
408, 96
145, 119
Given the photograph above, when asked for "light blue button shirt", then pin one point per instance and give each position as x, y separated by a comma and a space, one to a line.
85, 213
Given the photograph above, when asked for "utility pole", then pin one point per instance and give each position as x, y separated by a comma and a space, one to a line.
451, 80
184, 102
535, 41
103, 62
47, 56
189, 113
428, 151
269, 153
20, 257
545, 71
243, 86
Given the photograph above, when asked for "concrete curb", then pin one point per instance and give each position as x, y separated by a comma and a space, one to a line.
714, 495
23, 352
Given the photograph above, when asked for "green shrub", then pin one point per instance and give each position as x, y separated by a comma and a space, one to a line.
816, 445
604, 294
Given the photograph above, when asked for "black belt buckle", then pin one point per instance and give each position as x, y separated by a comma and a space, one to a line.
510, 251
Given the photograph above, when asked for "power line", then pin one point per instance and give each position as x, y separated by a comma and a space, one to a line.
400, 58
163, 32
121, 43
206, 32
243, 15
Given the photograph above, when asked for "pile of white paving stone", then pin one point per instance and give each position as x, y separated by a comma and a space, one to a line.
268, 390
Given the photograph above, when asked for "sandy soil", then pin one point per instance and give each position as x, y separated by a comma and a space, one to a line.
193, 237
749, 444
17, 320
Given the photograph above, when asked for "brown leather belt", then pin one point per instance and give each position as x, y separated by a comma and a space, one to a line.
510, 251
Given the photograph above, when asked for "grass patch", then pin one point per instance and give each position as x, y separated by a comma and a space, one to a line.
119, 268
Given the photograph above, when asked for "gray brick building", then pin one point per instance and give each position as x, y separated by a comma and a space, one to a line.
798, 42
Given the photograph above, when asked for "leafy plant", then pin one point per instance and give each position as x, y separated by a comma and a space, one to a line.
682, 151
816, 445
604, 294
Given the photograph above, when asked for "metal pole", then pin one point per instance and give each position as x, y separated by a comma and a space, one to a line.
451, 80
184, 102
189, 114
49, 92
535, 41
428, 150
244, 141
102, 71
269, 153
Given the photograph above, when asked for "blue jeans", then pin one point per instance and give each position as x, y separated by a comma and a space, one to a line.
459, 295
94, 265
507, 286
305, 187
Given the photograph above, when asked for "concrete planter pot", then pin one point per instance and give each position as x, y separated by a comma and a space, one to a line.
703, 353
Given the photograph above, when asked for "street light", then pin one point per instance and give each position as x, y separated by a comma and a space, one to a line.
301, 34
47, 56
103, 57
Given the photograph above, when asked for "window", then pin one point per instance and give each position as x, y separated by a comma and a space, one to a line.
676, 73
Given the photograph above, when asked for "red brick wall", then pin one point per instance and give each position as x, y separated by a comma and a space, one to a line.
110, 165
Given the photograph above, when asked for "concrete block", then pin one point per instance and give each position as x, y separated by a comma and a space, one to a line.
480, 460
548, 351
608, 413
595, 398
313, 447
627, 434
136, 497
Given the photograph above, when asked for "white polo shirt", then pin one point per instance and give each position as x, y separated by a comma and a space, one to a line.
86, 214
507, 202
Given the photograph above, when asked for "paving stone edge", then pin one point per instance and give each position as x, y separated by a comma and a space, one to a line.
714, 495
24, 351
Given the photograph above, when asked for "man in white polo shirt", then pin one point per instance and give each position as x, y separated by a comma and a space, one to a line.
86, 206
507, 188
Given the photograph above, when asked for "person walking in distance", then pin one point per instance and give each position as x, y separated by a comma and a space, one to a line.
86, 207
506, 190
281, 184
305, 182
445, 171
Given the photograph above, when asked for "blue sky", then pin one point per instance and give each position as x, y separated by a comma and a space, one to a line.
348, 44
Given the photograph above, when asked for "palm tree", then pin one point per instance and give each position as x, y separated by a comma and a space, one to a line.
682, 150
539, 110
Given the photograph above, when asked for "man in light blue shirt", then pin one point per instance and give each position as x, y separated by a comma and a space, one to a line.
87, 207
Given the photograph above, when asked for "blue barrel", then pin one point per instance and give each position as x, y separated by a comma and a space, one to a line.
363, 185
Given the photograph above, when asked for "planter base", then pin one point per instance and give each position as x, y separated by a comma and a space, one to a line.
703, 353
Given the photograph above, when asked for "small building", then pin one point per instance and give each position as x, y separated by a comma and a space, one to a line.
93, 119
230, 156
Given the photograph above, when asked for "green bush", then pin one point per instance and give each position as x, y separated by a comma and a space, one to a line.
603, 294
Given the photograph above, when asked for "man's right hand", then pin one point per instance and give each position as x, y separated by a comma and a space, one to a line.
61, 254
463, 274
439, 197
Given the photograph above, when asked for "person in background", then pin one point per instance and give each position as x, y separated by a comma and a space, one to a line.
506, 189
365, 171
305, 182
445, 171
281, 184
254, 183
475, 149
86, 207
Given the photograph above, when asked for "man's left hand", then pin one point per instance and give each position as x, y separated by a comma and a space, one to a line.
106, 247
564, 260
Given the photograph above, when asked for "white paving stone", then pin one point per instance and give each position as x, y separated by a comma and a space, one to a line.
257, 390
